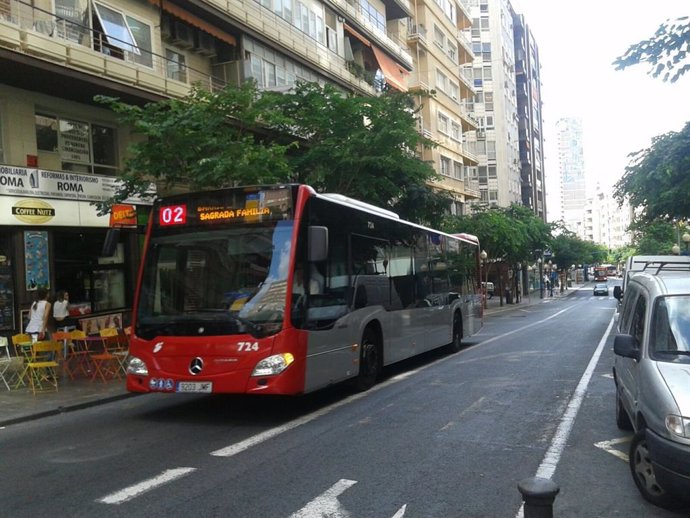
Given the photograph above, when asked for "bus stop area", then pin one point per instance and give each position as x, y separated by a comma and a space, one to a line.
21, 404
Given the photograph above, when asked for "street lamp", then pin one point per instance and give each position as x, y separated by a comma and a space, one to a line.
686, 240
675, 250
541, 278
484, 256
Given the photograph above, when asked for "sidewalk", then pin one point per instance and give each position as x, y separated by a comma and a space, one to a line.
21, 405
493, 305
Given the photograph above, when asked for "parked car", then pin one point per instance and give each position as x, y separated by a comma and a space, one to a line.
651, 372
489, 288
601, 288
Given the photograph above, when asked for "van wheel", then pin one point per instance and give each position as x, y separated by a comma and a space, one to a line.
622, 419
643, 473
456, 344
370, 361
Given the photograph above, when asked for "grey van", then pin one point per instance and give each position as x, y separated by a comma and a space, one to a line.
652, 376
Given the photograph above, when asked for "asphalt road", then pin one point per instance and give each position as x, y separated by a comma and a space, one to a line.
441, 436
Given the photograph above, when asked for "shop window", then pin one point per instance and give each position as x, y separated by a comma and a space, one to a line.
95, 283
46, 133
2, 152
81, 146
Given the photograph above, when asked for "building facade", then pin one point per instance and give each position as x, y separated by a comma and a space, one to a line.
530, 122
571, 171
439, 49
495, 104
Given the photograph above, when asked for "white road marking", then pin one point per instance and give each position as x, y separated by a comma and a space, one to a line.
607, 446
553, 454
147, 485
401, 512
327, 504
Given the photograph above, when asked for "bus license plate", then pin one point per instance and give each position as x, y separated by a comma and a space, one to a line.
194, 386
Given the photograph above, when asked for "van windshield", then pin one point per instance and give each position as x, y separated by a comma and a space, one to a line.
670, 332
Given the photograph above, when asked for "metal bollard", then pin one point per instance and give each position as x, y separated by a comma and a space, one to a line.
538, 495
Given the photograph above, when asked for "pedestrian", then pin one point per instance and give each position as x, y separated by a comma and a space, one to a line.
61, 311
39, 315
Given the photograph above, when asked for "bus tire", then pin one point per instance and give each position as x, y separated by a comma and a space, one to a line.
370, 361
456, 344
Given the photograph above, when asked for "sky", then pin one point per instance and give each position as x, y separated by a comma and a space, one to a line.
621, 110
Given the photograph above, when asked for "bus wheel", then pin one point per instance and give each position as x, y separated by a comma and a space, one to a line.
456, 344
369, 361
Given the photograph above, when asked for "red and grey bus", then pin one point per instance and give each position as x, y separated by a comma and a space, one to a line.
282, 290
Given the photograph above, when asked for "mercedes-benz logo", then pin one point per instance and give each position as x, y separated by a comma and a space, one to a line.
196, 366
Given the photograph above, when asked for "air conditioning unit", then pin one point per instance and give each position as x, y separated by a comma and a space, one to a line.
182, 35
166, 28
204, 44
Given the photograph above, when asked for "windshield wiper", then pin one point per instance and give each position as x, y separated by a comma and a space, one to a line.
255, 328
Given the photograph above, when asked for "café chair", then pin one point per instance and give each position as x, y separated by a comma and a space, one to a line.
22, 348
105, 362
77, 355
42, 368
5, 360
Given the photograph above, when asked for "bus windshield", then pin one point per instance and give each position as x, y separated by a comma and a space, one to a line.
215, 281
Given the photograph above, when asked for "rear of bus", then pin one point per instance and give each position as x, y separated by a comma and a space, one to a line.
209, 314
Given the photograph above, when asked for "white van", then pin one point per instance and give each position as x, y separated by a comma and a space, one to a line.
637, 263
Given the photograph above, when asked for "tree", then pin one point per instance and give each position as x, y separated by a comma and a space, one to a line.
655, 238
362, 147
206, 140
665, 51
657, 180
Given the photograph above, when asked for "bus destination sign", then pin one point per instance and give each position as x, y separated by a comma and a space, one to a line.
234, 207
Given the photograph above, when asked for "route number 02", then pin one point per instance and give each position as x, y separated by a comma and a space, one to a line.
172, 215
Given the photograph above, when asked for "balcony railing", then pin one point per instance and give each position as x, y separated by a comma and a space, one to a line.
60, 38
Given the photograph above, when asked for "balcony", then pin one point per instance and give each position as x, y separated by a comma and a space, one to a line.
354, 12
47, 37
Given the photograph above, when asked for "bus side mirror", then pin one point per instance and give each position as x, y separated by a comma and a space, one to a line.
617, 292
318, 244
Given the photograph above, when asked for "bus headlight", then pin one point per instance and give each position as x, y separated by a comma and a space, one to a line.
273, 364
137, 367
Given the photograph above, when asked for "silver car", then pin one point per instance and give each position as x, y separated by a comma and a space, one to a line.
652, 375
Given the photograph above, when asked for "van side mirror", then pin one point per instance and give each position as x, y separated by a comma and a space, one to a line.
318, 244
618, 292
626, 346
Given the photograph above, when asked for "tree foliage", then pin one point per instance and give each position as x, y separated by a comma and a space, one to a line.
655, 238
666, 52
569, 249
362, 147
510, 234
190, 142
657, 180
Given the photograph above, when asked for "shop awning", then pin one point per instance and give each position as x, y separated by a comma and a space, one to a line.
191, 19
395, 74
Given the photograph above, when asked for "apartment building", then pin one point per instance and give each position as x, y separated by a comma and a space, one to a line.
530, 123
571, 170
60, 150
439, 48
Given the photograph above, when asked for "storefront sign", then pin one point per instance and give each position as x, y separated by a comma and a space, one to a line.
63, 185
123, 216
36, 211
36, 264
33, 212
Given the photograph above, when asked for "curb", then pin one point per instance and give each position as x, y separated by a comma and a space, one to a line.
65, 409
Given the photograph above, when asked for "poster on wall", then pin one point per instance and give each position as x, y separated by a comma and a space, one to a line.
6, 298
36, 265
93, 325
